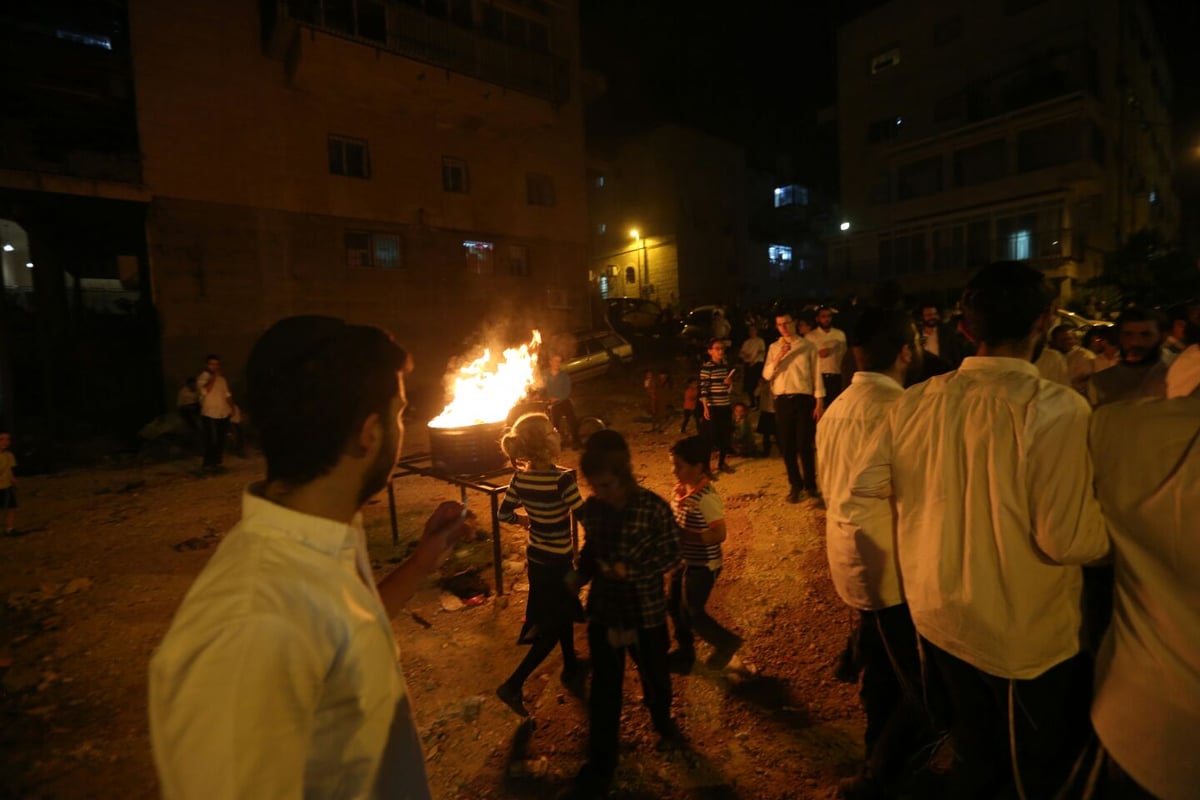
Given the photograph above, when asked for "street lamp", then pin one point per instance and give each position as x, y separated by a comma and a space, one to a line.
845, 226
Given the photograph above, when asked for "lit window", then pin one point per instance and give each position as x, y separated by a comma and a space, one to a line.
454, 176
599, 181
1019, 245
379, 250
1154, 197
784, 196
885, 60
602, 228
480, 260
349, 157
604, 287
779, 254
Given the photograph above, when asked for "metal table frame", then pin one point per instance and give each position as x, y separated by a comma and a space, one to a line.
422, 464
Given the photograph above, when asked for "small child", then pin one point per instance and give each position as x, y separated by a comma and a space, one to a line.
548, 494
700, 516
631, 543
691, 398
743, 436
766, 416
8, 483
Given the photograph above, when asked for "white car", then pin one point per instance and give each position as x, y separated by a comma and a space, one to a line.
596, 352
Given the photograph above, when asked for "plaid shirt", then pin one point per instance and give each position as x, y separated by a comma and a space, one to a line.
643, 537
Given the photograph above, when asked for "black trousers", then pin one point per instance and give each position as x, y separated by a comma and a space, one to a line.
719, 430
833, 386
686, 601
750, 379
604, 702
559, 411
1049, 717
892, 690
796, 431
214, 432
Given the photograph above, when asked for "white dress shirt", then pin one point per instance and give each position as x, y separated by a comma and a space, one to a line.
993, 486
1081, 364
859, 531
279, 677
1052, 365
797, 372
1146, 708
753, 350
215, 397
833, 339
1183, 376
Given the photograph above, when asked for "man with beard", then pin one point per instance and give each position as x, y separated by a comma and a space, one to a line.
831, 349
941, 344
279, 674
1140, 372
992, 483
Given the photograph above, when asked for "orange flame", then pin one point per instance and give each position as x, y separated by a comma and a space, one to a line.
485, 391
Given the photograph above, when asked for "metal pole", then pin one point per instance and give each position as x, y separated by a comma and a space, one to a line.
496, 544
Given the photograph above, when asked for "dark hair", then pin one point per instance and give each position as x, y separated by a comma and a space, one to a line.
714, 340
1139, 314
1106, 332
693, 450
1057, 329
211, 357
607, 453
1003, 301
311, 382
879, 335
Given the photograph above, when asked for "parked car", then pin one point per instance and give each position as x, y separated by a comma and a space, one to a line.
633, 316
697, 329
596, 352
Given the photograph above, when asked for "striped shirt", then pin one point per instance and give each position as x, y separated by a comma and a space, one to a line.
548, 497
695, 512
713, 389
643, 537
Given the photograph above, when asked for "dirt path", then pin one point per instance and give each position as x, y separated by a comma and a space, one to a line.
90, 590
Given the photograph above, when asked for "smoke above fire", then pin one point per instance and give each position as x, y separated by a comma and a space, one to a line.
486, 388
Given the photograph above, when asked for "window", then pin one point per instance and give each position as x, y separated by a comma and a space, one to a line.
518, 260
885, 60
604, 287
883, 129
946, 31
539, 189
791, 195
780, 258
515, 29
602, 228
454, 176
365, 18
979, 246
1048, 146
901, 255
378, 250
919, 178
480, 260
349, 157
981, 163
630, 275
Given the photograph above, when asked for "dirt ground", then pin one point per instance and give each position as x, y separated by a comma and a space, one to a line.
107, 554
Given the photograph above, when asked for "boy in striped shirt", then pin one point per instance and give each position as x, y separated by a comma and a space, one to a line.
716, 384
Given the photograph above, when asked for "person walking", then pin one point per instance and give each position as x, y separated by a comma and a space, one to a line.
216, 407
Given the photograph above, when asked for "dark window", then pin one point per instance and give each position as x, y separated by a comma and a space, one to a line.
881, 190
454, 176
946, 31
349, 157
981, 163
951, 108
919, 178
1048, 146
518, 260
539, 189
379, 250
949, 248
883, 129
539, 37
371, 20
461, 13
493, 22
979, 246
630, 275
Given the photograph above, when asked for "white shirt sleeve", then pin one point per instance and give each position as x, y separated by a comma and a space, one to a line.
873, 475
234, 717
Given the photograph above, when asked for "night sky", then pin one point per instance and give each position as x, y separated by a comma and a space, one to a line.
759, 78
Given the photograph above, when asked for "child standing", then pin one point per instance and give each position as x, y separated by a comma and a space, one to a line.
8, 483
548, 494
700, 516
631, 544
691, 396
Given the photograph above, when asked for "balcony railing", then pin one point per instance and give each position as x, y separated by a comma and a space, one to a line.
434, 41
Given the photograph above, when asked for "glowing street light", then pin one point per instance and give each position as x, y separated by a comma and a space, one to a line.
8, 248
633, 233
845, 226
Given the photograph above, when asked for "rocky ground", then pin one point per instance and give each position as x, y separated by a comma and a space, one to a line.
106, 554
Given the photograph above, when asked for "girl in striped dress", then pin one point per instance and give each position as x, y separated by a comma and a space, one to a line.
700, 516
549, 494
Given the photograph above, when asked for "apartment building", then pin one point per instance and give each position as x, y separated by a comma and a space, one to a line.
1032, 130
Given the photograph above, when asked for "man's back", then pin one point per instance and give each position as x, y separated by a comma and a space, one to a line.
992, 479
1147, 705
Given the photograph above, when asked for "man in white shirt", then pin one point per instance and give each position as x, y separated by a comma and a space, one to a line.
989, 469
216, 406
859, 535
1081, 363
752, 353
279, 675
1146, 708
799, 395
831, 349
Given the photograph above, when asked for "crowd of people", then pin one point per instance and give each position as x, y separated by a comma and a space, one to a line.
973, 506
